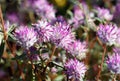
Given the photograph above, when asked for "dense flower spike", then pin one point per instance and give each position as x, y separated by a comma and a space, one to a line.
78, 49
104, 14
113, 62
62, 35
44, 30
108, 33
75, 70
25, 36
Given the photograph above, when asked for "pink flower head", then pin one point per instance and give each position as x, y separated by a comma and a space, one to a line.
78, 17
113, 62
108, 33
44, 9
104, 14
44, 30
62, 35
78, 49
25, 36
75, 69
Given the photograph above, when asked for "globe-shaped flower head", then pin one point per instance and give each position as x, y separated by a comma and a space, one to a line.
25, 36
62, 35
78, 17
104, 14
113, 62
44, 30
78, 49
108, 33
75, 70
44, 9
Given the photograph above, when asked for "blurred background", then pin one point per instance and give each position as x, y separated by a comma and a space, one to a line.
25, 12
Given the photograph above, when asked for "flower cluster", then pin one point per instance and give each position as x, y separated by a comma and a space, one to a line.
113, 62
75, 70
62, 36
25, 36
71, 31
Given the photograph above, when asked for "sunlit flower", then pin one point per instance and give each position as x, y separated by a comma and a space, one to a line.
62, 35
78, 49
67, 40
75, 70
108, 33
113, 62
78, 17
104, 14
44, 30
25, 36
44, 9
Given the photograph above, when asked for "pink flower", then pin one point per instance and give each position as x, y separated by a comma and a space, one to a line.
25, 36
78, 17
44, 9
104, 14
108, 33
113, 62
75, 69
62, 35
44, 30
78, 49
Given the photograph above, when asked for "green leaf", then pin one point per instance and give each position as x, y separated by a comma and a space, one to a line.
2, 49
11, 37
11, 28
